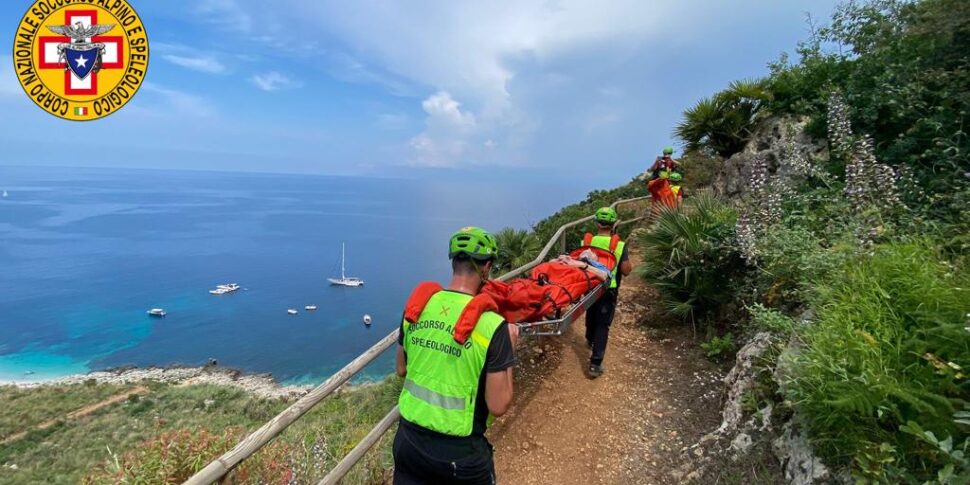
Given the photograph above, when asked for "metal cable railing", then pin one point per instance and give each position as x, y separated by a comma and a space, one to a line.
218, 468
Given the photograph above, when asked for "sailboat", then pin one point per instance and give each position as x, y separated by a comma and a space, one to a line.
345, 280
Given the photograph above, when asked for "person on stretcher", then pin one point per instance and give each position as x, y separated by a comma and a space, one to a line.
587, 261
551, 288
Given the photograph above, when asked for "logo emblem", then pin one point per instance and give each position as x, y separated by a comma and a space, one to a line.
80, 62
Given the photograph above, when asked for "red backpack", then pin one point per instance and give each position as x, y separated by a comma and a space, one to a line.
468, 319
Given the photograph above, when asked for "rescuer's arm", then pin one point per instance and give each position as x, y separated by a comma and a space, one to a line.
498, 391
499, 362
402, 362
401, 367
625, 265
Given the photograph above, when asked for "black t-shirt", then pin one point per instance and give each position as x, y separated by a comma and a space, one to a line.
499, 357
624, 256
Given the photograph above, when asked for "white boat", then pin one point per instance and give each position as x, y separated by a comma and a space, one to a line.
156, 312
345, 280
310, 308
4, 194
291, 311
367, 320
223, 289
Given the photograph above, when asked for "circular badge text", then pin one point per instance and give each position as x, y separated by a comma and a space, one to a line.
80, 59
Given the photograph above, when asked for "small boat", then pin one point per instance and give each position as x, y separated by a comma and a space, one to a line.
310, 308
223, 289
5, 194
367, 320
29, 373
345, 280
156, 312
291, 311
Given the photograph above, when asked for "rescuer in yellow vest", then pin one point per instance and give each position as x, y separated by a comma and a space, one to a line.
599, 317
452, 389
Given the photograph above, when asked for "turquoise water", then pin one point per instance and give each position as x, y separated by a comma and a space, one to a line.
85, 252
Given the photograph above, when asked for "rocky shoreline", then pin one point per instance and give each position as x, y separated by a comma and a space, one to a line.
260, 385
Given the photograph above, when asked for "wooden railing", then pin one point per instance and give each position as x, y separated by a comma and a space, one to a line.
217, 469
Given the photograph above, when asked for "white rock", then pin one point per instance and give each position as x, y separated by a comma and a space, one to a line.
801, 465
741, 443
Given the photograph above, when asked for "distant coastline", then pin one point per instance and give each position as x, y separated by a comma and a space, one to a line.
259, 385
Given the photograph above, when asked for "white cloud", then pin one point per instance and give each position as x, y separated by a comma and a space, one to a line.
274, 81
446, 134
526, 75
473, 52
205, 64
445, 112
465, 47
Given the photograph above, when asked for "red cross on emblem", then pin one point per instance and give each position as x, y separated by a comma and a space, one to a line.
50, 58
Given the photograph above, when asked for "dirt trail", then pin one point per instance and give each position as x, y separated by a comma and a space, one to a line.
659, 394
77, 413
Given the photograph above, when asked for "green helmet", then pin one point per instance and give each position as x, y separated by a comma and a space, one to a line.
676, 177
668, 150
474, 242
606, 215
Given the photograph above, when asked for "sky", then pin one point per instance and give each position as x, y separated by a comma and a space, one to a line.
436, 89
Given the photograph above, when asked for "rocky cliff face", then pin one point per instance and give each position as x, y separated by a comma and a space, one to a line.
776, 140
788, 152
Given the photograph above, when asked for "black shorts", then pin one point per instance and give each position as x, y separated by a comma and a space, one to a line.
416, 465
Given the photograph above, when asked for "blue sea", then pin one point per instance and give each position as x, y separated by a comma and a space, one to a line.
84, 253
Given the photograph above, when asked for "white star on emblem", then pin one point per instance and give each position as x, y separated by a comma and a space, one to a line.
81, 61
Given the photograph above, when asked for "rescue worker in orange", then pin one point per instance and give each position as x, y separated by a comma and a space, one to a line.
659, 182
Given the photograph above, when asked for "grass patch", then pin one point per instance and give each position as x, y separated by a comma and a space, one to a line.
888, 347
130, 438
22, 409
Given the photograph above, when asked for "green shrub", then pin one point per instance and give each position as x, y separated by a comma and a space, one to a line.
516, 247
790, 261
723, 123
767, 319
700, 170
175, 455
889, 346
719, 348
903, 68
689, 255
822, 211
955, 455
